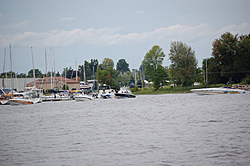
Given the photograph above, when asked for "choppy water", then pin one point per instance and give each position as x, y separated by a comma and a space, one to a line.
171, 129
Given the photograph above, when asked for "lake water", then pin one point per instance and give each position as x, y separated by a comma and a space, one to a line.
168, 130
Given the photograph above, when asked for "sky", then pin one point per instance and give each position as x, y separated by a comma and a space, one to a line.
79, 30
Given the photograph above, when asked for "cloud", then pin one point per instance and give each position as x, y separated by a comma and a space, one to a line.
112, 37
14, 25
67, 19
140, 12
234, 29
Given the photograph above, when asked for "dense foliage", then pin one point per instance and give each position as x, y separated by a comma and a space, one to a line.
153, 65
183, 63
230, 59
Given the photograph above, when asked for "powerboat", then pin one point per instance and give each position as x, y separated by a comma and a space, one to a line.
63, 96
23, 99
220, 90
106, 92
83, 97
5, 96
124, 92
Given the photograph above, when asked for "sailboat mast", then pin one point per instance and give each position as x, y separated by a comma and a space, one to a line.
15, 76
45, 63
93, 72
54, 69
65, 79
34, 74
51, 67
76, 70
84, 72
4, 63
11, 69
5, 67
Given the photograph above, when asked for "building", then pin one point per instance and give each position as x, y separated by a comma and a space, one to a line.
15, 83
56, 82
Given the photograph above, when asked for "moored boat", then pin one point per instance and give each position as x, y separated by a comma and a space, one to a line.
220, 90
4, 96
83, 97
124, 92
106, 92
20, 101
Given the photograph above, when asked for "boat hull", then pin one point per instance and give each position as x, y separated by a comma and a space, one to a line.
20, 102
108, 96
124, 95
55, 98
83, 98
213, 91
4, 102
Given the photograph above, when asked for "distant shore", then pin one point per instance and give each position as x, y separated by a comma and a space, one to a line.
174, 90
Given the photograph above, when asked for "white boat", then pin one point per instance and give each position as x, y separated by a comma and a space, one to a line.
4, 97
20, 101
63, 96
220, 90
83, 97
124, 92
106, 92
23, 99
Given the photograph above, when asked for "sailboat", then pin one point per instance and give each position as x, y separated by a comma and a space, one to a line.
30, 97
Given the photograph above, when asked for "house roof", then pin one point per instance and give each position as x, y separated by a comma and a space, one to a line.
68, 81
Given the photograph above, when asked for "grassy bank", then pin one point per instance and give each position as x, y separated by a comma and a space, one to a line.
168, 89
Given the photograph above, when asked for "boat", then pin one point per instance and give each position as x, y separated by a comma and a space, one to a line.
83, 97
220, 90
63, 96
34, 93
22, 98
5, 96
124, 92
20, 101
106, 92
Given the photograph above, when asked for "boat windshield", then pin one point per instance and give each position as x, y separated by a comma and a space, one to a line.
2, 92
104, 87
124, 88
7, 91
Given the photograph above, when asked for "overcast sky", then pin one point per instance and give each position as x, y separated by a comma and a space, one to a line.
115, 29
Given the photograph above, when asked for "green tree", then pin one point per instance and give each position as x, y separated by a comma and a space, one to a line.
65, 69
242, 62
37, 73
122, 66
184, 63
89, 66
153, 65
107, 63
21, 75
213, 71
65, 87
224, 53
105, 73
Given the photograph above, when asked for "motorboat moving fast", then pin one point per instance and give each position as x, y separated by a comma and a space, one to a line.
124, 92
220, 90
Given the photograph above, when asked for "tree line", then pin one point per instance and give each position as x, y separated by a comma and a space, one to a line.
229, 63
